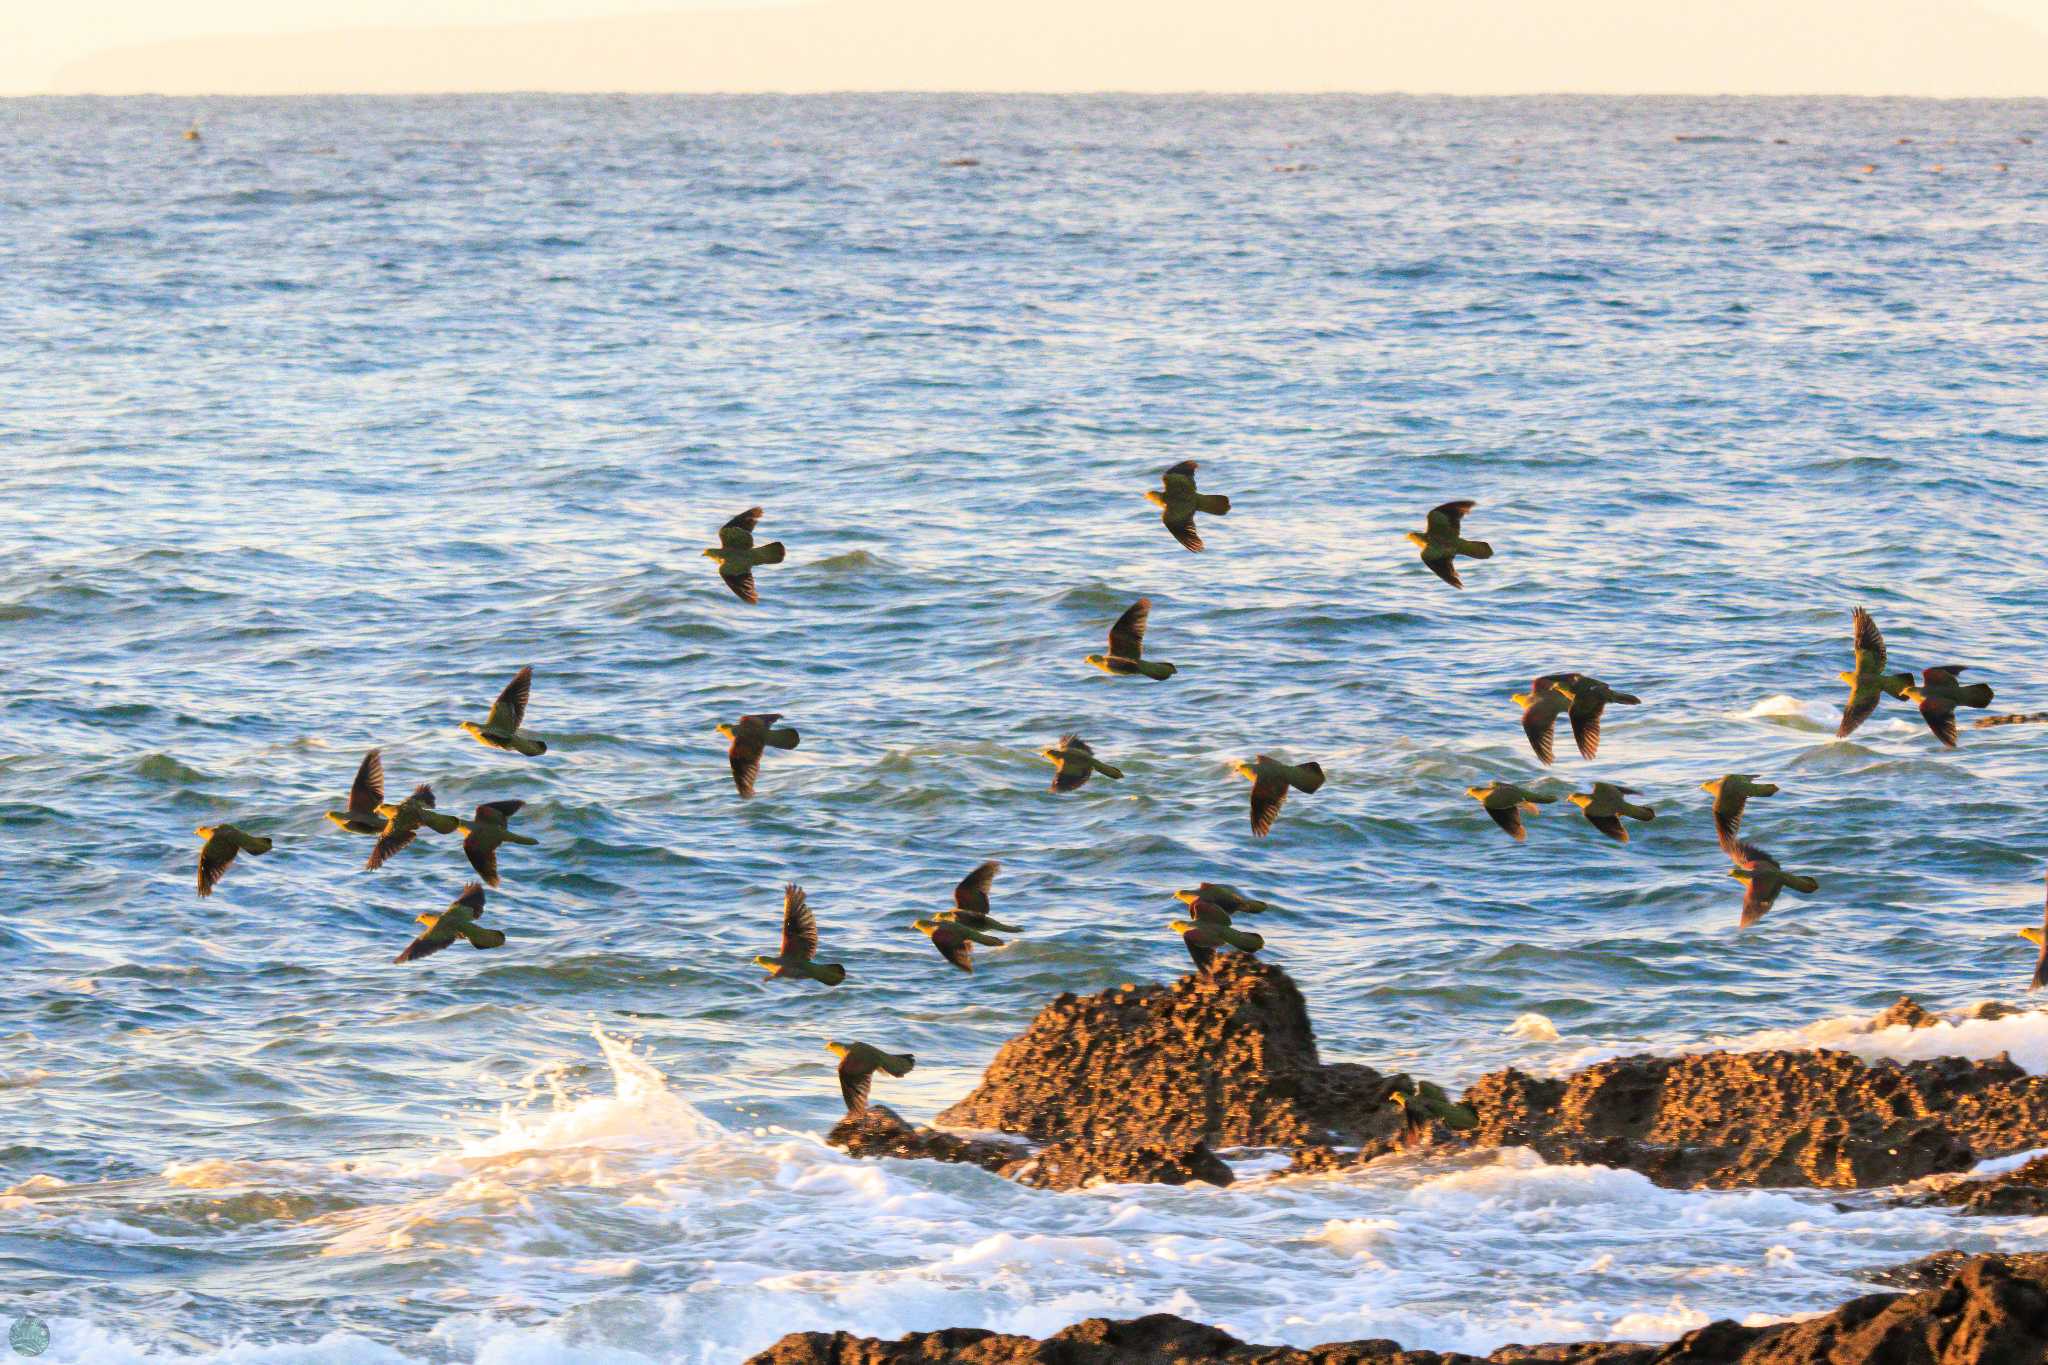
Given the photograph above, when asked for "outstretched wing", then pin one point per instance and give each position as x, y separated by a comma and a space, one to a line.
1728, 819
1757, 900
395, 837
1269, 794
1445, 568
483, 857
1448, 518
1203, 953
738, 534
1509, 818
509, 710
426, 945
1539, 723
799, 926
1870, 651
1747, 854
1127, 636
972, 893
745, 756
742, 586
214, 856
471, 898
1183, 531
1941, 719
1862, 702
1609, 825
954, 946
1585, 716
368, 792
853, 1085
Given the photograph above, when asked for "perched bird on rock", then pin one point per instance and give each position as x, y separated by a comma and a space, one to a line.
1589, 698
2039, 938
488, 828
748, 739
1075, 762
1180, 502
800, 943
1210, 930
970, 903
858, 1063
1505, 802
1425, 1104
1231, 899
1271, 780
955, 941
402, 822
1441, 543
737, 556
459, 920
1869, 681
364, 797
1765, 879
223, 842
1606, 804
1541, 705
500, 729
1731, 793
1127, 646
1938, 696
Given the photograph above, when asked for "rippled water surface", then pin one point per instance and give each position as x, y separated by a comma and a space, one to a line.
315, 430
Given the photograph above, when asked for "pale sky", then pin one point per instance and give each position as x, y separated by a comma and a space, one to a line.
116, 45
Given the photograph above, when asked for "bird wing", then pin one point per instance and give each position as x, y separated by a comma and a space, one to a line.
423, 796
395, 837
471, 898
1728, 819
854, 1081
738, 534
1862, 702
510, 708
368, 792
1445, 568
214, 856
501, 811
1203, 953
1941, 673
2041, 963
1585, 715
1183, 531
1761, 894
1269, 794
1074, 771
1747, 854
1448, 518
1509, 818
745, 755
1127, 636
1609, 825
1539, 723
742, 586
954, 946
799, 925
483, 857
426, 945
972, 893
1180, 480
1941, 718
1870, 651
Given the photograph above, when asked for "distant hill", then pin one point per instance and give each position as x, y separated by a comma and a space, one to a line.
1914, 47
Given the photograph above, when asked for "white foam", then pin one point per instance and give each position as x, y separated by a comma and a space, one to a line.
1534, 1028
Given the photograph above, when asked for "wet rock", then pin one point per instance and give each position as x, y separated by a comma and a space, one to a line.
1994, 1009
2021, 1191
1989, 1310
1908, 1012
1083, 1161
1933, 1272
880, 1131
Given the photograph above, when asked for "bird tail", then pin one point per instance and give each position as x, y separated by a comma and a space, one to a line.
532, 748
1475, 549
1626, 698
1766, 789
480, 937
1976, 694
1156, 670
1806, 886
771, 553
1244, 940
1639, 812
1534, 801
1308, 777
781, 739
259, 843
1215, 504
831, 973
512, 838
1106, 770
897, 1063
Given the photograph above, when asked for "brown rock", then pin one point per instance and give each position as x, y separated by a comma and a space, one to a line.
1083, 1161
880, 1131
1908, 1012
2022, 1191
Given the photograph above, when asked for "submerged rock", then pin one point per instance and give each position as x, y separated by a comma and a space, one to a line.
2021, 1191
1906, 1011
880, 1131
1986, 1310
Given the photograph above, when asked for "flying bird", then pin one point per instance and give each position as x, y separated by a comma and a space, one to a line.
1180, 502
1606, 804
1271, 781
1229, 898
800, 943
403, 821
1764, 878
970, 903
737, 556
1127, 646
1731, 793
223, 842
1505, 802
1075, 762
1938, 696
1869, 681
1441, 542
858, 1063
1589, 698
1541, 705
488, 828
1210, 930
459, 920
500, 729
364, 797
2039, 938
748, 739
955, 941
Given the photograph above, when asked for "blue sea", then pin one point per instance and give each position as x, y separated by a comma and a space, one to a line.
318, 428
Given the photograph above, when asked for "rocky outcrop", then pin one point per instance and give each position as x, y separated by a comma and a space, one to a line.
879, 1131
2021, 1191
1991, 1310
1907, 1011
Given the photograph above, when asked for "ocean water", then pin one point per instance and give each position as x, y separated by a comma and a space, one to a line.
317, 429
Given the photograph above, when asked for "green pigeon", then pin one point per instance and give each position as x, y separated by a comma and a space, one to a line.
1541, 705
970, 903
747, 740
1229, 898
1869, 682
459, 920
1271, 780
858, 1063
1589, 697
1730, 794
1127, 646
1606, 804
488, 828
1765, 878
737, 556
1441, 543
1075, 763
956, 941
402, 822
1180, 502
363, 798
223, 842
1505, 802
1210, 930
800, 943
500, 729
2039, 938
1425, 1104
1938, 696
